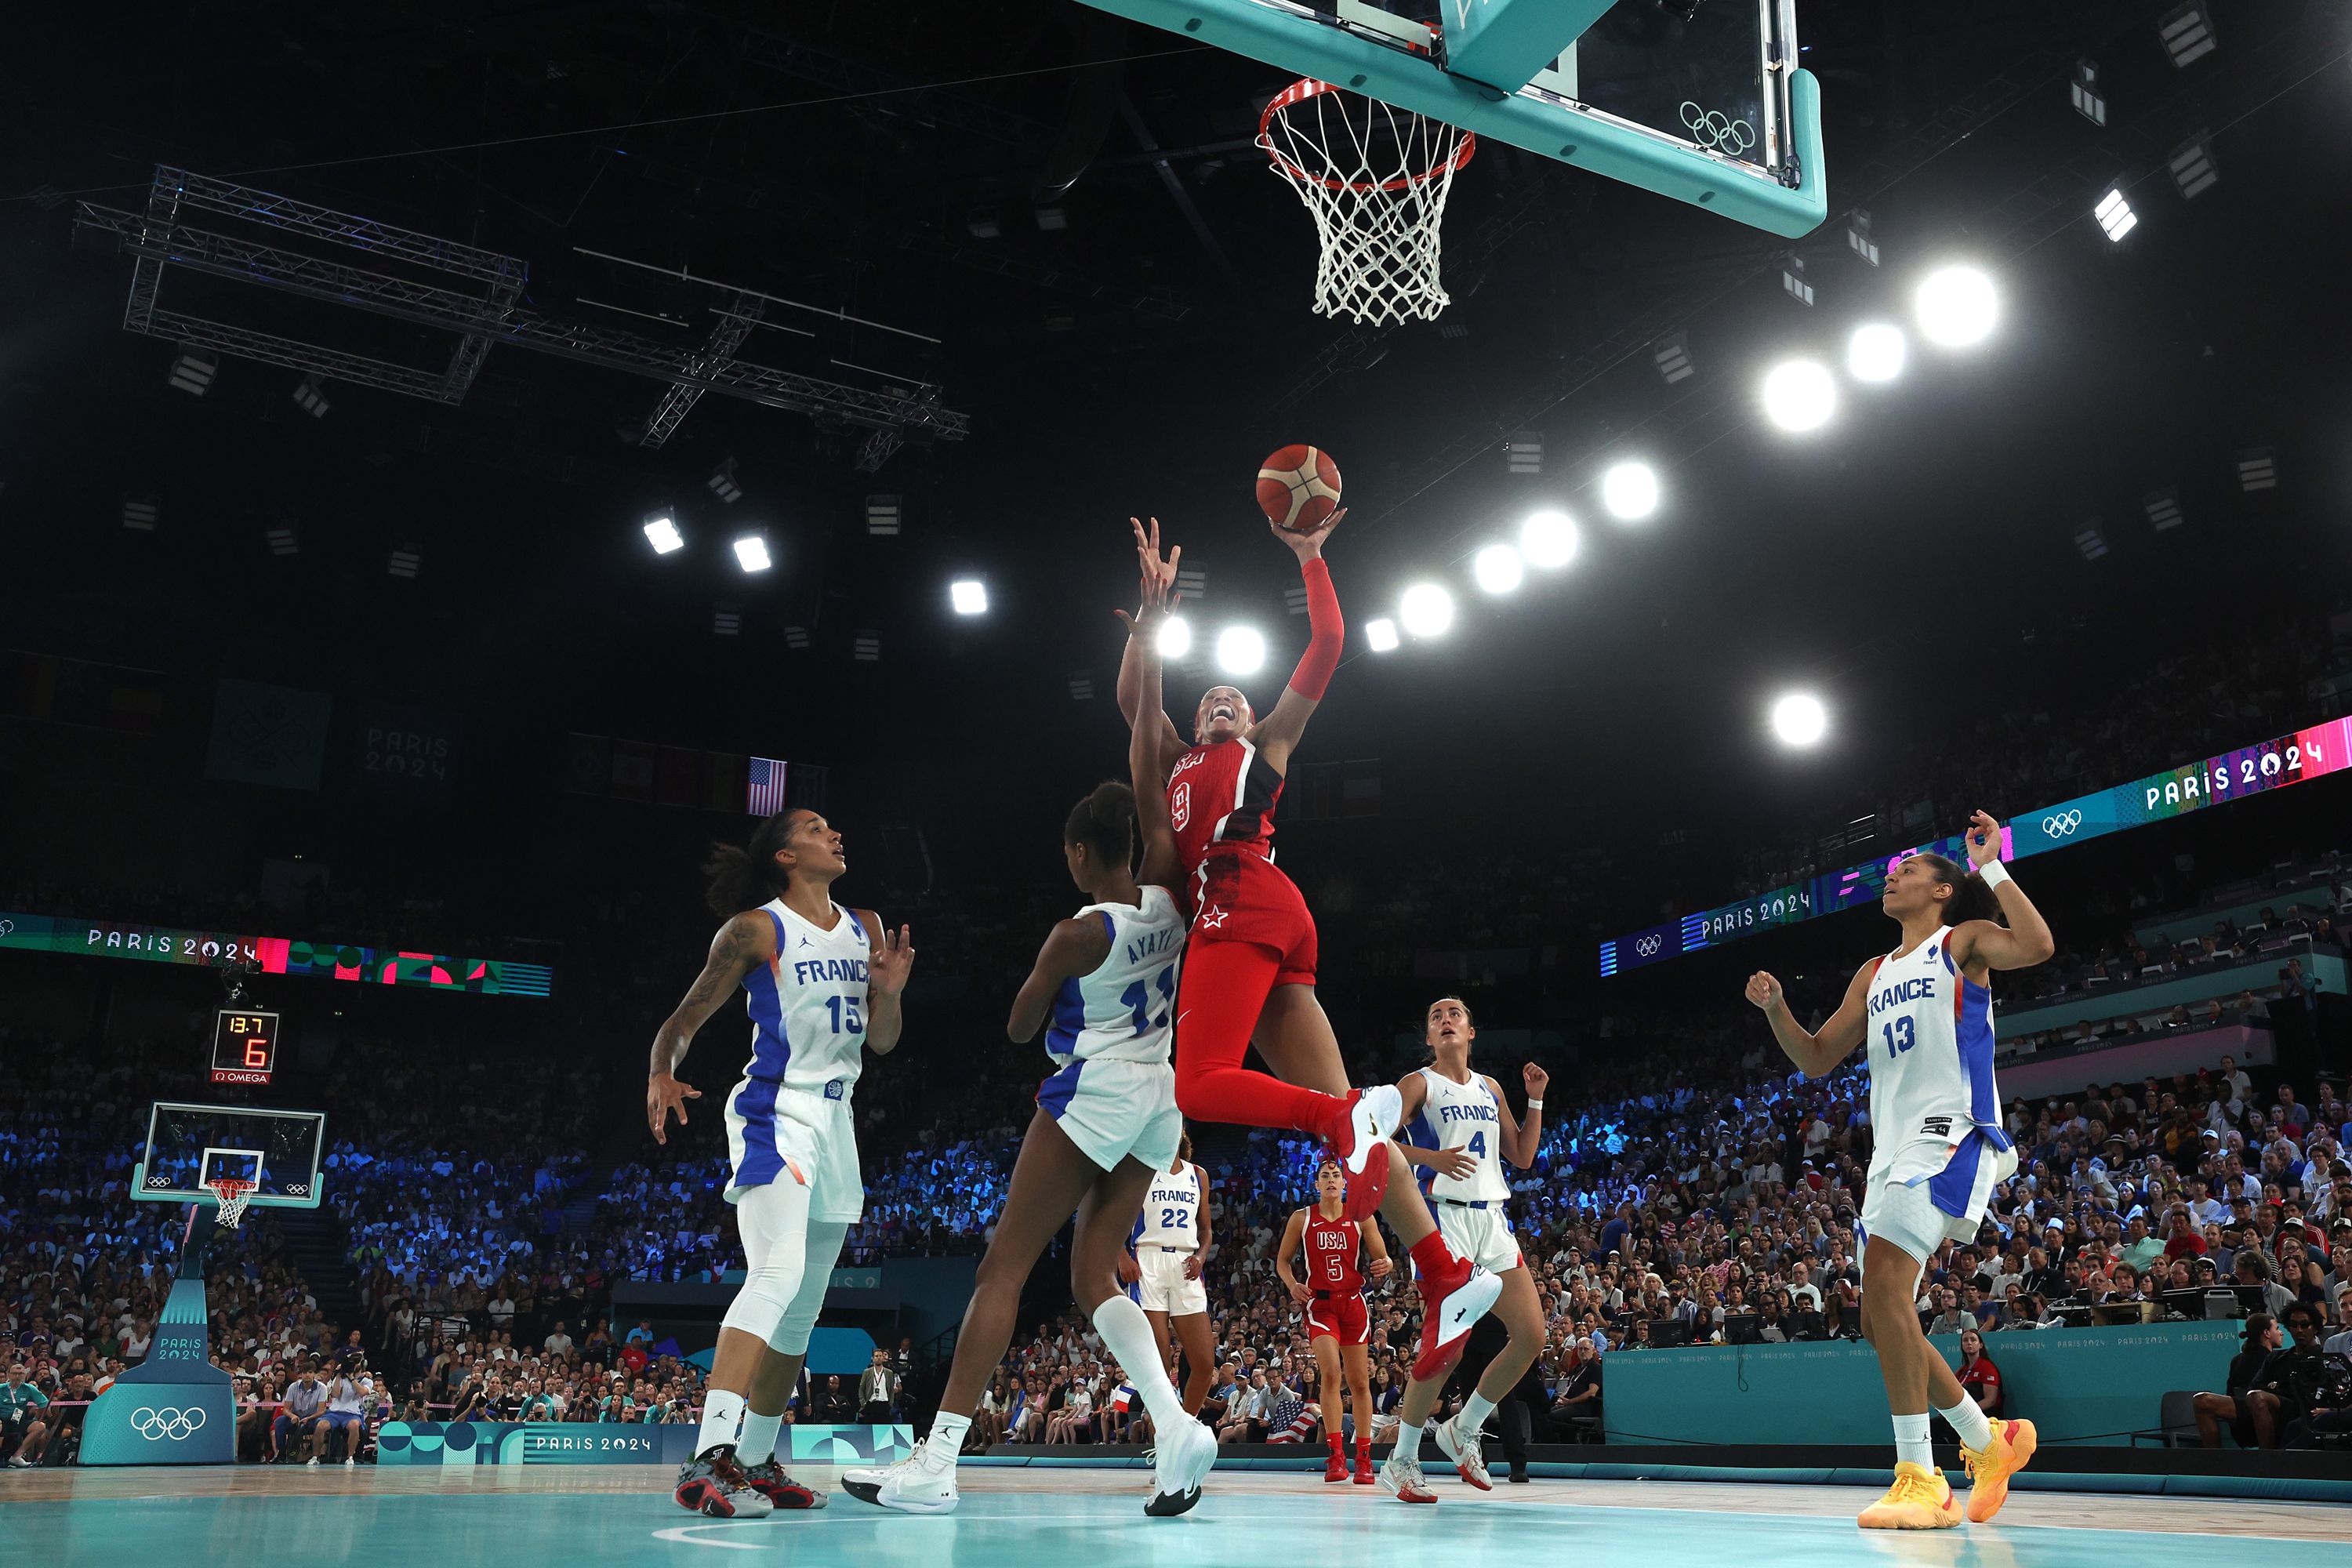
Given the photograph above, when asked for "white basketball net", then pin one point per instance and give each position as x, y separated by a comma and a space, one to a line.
1374, 178
233, 1196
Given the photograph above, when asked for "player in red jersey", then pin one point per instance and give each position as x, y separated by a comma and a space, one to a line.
1249, 960
1337, 1323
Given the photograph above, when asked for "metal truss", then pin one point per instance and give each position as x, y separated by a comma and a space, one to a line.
725, 338
158, 239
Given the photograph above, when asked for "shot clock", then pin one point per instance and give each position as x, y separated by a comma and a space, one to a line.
245, 1046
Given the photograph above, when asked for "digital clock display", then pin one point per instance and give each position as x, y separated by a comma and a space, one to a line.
245, 1046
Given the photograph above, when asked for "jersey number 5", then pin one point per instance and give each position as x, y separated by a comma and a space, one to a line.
1137, 998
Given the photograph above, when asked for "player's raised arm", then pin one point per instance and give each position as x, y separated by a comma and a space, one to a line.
889, 959
1840, 1033
2025, 941
1327, 639
1520, 1141
1153, 716
745, 940
1073, 947
1161, 867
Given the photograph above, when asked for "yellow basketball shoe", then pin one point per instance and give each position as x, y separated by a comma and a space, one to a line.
1920, 1499
2009, 1451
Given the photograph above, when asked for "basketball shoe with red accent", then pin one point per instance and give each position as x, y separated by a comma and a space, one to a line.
1364, 1475
768, 1479
1451, 1299
1358, 1129
1401, 1477
712, 1483
2012, 1448
1335, 1468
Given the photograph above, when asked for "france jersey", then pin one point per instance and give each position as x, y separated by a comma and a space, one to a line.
808, 1005
1172, 1210
1461, 1116
1123, 1010
1929, 1039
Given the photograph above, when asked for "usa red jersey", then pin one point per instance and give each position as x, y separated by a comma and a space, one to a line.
1331, 1254
1223, 793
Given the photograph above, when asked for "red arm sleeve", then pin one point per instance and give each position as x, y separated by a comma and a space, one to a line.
1328, 634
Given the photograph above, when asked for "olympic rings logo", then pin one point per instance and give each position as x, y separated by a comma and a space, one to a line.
1648, 946
1715, 131
2060, 824
156, 1426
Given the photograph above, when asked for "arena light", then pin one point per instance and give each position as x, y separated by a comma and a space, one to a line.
2084, 93
723, 483
1672, 356
1630, 491
1549, 540
1858, 238
968, 596
1175, 638
1240, 650
751, 553
2192, 166
1874, 353
1426, 610
2257, 469
661, 532
1799, 719
1381, 634
1957, 307
2116, 216
1498, 569
2188, 34
1799, 395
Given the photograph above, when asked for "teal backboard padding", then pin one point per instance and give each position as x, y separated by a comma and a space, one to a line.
1533, 118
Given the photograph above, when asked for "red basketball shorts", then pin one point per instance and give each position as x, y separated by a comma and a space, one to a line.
1342, 1317
1240, 896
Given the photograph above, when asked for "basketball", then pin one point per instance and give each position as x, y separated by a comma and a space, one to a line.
1299, 489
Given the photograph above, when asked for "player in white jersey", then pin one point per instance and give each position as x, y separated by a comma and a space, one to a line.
1162, 1271
1458, 1129
823, 986
1924, 1013
1104, 987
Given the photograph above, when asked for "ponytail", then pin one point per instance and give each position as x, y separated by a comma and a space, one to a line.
1104, 823
1971, 899
745, 877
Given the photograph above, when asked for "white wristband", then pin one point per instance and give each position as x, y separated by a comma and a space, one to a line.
1994, 874
1535, 1105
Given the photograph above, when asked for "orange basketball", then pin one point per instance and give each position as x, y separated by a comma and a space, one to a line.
1299, 489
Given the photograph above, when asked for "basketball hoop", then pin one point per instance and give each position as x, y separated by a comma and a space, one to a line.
234, 1193
1375, 181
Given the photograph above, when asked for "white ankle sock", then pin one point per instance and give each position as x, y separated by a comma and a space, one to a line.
1474, 1411
721, 1413
756, 1445
1911, 1446
1968, 1420
1128, 1332
946, 1441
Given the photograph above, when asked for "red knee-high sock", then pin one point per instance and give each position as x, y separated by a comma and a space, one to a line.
1224, 988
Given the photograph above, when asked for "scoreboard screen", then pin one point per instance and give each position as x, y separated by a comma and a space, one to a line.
245, 1046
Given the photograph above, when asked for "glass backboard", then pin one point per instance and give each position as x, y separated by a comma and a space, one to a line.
188, 1145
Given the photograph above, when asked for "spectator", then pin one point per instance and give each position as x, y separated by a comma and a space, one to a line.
877, 1390
300, 1410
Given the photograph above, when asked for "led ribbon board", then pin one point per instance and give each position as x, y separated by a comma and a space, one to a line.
276, 955
2291, 759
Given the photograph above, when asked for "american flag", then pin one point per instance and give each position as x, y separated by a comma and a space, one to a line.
767, 790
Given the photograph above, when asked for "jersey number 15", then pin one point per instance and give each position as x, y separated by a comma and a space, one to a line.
846, 1020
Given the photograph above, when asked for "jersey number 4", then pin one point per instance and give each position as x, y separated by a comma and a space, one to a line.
846, 1020
1477, 1144
1137, 999
1899, 1036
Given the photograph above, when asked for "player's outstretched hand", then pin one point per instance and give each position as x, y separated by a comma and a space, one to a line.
1983, 839
1536, 1079
887, 966
665, 1094
1307, 546
1763, 991
1459, 1164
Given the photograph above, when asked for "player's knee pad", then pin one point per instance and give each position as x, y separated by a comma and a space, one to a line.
758, 1308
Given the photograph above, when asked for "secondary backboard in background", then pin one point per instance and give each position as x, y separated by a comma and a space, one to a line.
1711, 109
190, 1144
